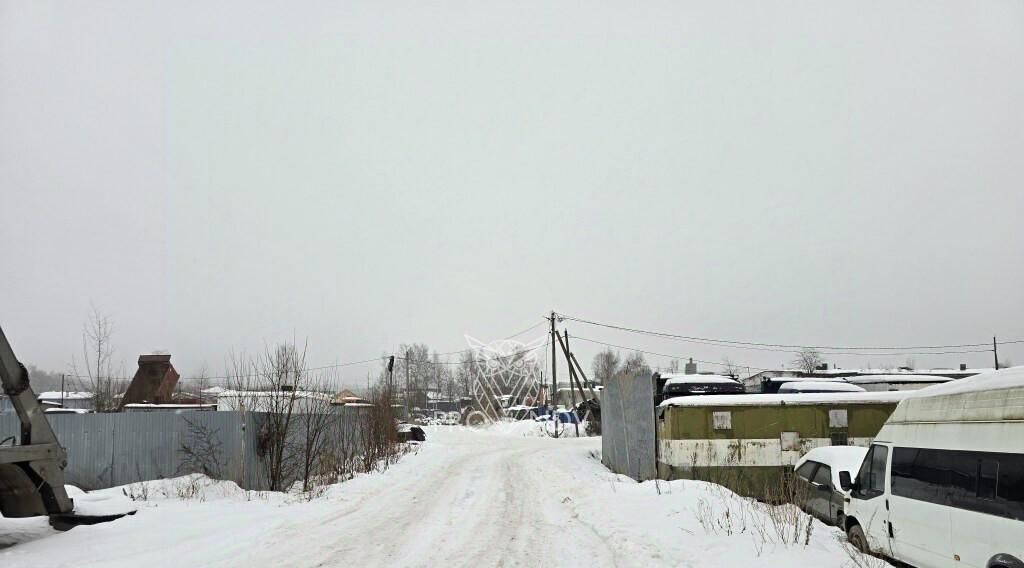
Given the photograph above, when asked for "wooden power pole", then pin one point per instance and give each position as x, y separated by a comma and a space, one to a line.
408, 360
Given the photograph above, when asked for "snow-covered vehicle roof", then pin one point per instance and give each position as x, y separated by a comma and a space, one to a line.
819, 386
788, 399
837, 458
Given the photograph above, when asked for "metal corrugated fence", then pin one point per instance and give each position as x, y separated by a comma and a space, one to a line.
106, 450
627, 426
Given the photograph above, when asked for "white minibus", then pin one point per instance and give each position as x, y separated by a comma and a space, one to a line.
942, 485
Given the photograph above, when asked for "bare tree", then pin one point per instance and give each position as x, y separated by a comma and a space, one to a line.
808, 360
730, 368
273, 385
673, 366
97, 351
635, 364
318, 424
605, 365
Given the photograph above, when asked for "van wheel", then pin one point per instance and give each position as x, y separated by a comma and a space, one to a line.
855, 534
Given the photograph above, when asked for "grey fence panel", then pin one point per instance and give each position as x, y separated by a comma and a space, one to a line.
89, 442
106, 450
627, 426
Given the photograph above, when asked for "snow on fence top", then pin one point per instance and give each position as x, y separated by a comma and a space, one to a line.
790, 399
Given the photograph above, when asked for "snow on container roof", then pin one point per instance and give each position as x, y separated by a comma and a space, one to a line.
905, 378
789, 399
819, 386
681, 379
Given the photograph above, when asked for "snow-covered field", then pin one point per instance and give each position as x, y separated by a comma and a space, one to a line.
502, 496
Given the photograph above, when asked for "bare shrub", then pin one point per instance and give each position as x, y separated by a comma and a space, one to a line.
202, 452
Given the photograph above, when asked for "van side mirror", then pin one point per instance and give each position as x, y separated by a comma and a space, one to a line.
844, 480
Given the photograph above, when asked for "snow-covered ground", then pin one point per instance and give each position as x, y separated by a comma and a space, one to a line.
500, 496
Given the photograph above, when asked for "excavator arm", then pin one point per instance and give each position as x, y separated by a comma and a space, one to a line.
32, 471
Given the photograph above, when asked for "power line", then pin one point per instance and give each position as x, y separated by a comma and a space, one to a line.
738, 365
787, 348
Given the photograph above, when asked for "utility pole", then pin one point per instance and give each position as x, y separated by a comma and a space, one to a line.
554, 363
995, 352
62, 390
408, 360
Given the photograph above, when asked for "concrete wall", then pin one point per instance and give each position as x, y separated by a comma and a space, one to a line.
111, 449
627, 426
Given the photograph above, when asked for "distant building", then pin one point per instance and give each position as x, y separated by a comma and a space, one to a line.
301, 402
347, 397
77, 400
56, 399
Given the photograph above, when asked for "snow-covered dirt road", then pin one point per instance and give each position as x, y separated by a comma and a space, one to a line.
465, 498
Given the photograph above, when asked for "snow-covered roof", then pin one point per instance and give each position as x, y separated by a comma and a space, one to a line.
271, 394
213, 390
56, 395
902, 378
141, 405
995, 380
901, 372
819, 386
838, 458
788, 399
682, 379
59, 410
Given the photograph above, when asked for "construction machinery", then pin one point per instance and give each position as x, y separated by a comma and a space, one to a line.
32, 469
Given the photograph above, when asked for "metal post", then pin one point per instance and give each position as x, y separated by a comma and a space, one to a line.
995, 352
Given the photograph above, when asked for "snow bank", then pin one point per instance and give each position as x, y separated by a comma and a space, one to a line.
466, 497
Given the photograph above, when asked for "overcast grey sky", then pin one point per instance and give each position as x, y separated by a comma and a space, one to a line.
225, 175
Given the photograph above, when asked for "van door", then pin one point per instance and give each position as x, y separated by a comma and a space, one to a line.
872, 507
920, 506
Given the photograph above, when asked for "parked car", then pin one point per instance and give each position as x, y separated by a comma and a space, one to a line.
817, 478
943, 482
411, 433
